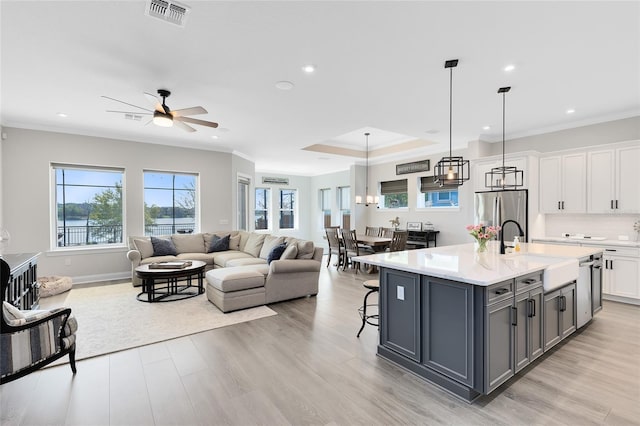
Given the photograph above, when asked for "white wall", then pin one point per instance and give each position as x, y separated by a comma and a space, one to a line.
306, 201
26, 202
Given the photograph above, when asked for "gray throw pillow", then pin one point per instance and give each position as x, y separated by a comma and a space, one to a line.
162, 247
270, 241
219, 244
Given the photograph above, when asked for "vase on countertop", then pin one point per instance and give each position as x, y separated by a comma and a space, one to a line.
481, 246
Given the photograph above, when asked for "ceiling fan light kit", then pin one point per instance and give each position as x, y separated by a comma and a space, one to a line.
498, 177
369, 200
451, 171
163, 116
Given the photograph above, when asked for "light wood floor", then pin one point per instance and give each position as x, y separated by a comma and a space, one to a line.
305, 366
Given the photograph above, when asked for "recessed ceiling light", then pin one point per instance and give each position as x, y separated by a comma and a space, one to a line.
571, 111
214, 137
309, 68
486, 128
62, 114
510, 68
284, 85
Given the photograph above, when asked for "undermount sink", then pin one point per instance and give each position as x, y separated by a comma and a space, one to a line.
558, 272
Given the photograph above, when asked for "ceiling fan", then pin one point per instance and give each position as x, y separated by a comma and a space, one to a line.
163, 116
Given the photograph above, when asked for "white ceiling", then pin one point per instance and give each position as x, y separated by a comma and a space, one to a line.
380, 65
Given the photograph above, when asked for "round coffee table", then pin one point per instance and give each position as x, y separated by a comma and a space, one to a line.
167, 285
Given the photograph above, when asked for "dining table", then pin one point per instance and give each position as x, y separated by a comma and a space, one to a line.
376, 243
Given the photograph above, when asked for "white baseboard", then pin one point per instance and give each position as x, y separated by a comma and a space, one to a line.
621, 299
87, 279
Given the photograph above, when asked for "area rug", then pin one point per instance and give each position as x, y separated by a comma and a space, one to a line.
111, 319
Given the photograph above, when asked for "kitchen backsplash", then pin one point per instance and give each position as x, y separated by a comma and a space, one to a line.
597, 225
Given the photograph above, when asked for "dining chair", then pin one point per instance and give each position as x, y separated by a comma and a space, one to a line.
335, 245
398, 241
372, 231
351, 249
387, 232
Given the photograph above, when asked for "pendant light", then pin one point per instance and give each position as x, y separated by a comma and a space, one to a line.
451, 171
369, 199
503, 177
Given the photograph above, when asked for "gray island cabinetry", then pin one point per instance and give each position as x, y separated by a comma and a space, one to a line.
468, 339
468, 323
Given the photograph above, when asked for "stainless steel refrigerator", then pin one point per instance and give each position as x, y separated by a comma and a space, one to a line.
494, 207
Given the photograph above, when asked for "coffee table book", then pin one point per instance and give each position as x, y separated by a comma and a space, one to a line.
170, 265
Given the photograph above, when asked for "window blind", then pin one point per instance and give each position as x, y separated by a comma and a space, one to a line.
393, 187
428, 185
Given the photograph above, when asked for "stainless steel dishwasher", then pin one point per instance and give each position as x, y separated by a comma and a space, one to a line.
588, 289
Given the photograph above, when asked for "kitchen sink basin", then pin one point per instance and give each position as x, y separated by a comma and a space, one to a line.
557, 272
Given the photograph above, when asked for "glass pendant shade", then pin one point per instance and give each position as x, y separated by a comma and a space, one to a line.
504, 177
451, 171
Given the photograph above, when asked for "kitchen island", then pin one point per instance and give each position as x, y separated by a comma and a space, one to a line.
469, 321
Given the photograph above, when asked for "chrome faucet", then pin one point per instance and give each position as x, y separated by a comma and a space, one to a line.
502, 247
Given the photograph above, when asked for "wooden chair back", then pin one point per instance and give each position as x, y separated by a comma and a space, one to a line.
373, 231
398, 241
350, 241
333, 237
387, 232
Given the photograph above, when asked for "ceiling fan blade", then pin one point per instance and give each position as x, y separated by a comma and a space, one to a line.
183, 126
196, 121
189, 111
126, 103
153, 100
131, 112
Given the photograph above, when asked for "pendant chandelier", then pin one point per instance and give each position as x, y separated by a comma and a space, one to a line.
503, 177
369, 199
451, 171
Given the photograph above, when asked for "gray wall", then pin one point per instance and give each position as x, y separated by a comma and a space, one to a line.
26, 189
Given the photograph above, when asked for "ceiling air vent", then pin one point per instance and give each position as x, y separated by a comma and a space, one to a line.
169, 11
134, 117
275, 180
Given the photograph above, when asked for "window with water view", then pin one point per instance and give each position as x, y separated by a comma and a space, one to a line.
169, 203
89, 208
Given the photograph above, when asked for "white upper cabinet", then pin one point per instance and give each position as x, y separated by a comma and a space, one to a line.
481, 167
614, 180
563, 183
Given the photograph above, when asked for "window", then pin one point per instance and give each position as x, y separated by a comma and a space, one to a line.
243, 203
344, 204
432, 195
263, 201
394, 194
288, 202
325, 207
169, 203
89, 208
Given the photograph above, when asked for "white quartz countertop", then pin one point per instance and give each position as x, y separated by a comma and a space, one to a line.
589, 241
462, 263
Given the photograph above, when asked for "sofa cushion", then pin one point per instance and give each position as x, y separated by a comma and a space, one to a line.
205, 257
144, 246
254, 244
162, 247
188, 243
234, 242
244, 261
219, 244
290, 252
221, 258
305, 248
270, 241
234, 279
276, 252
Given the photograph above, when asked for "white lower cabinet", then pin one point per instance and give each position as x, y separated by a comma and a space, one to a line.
621, 274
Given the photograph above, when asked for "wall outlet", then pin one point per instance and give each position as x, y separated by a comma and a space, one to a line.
400, 292
224, 221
